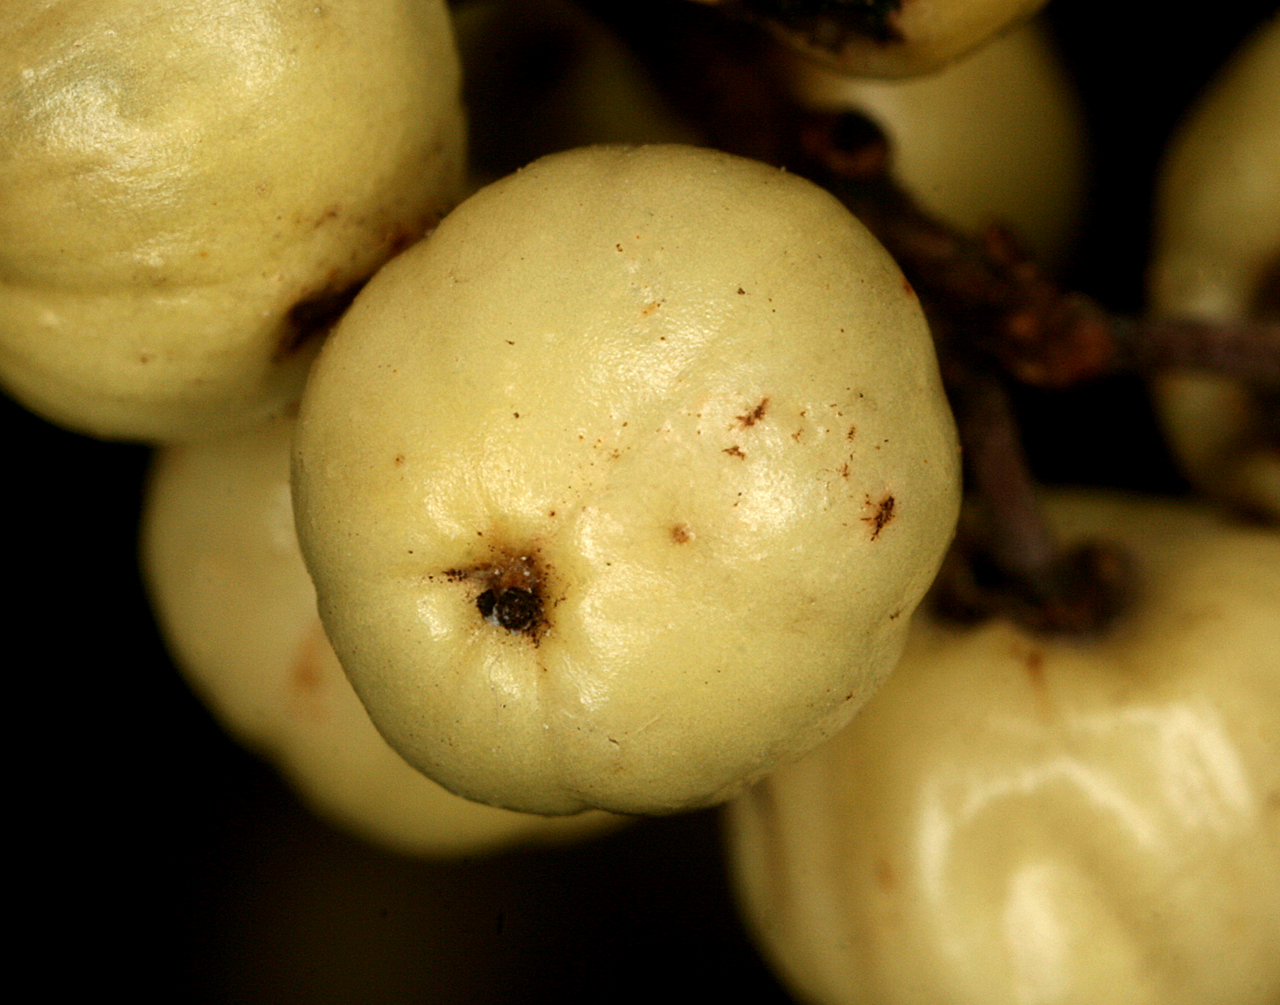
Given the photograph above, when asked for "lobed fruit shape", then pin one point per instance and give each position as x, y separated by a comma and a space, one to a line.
238, 611
621, 487
1018, 819
1217, 255
886, 38
998, 136
188, 191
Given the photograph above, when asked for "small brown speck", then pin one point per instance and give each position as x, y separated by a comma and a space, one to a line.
680, 533
741, 291
735, 451
619, 247
516, 414
399, 460
853, 431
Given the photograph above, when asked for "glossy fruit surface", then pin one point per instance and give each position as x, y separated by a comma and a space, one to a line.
188, 192
620, 488
1217, 258
1015, 819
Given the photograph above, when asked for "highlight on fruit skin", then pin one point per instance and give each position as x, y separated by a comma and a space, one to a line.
237, 610
689, 402
190, 193
1017, 819
1217, 258
884, 38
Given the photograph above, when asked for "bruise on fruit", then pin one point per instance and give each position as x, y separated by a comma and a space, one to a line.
882, 515
314, 316
305, 681
735, 451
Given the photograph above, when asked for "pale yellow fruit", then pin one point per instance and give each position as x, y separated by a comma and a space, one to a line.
1018, 820
926, 35
186, 190
996, 137
683, 400
588, 89
238, 612
1217, 241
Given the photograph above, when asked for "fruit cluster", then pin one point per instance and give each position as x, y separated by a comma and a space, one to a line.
632, 438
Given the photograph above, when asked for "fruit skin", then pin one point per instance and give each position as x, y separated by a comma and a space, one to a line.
1015, 819
238, 613
1217, 242
998, 136
187, 189
691, 400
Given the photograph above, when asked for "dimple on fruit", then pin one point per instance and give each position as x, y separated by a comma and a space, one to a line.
188, 191
621, 487
239, 614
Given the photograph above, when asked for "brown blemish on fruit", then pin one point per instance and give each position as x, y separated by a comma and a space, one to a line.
305, 683
882, 515
735, 451
314, 316
1034, 662
332, 213
399, 460
853, 431
755, 415
650, 307
680, 533
305, 676
741, 292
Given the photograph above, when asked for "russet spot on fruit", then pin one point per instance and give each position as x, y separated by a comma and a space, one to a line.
621, 487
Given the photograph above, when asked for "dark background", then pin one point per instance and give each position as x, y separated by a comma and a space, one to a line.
150, 854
